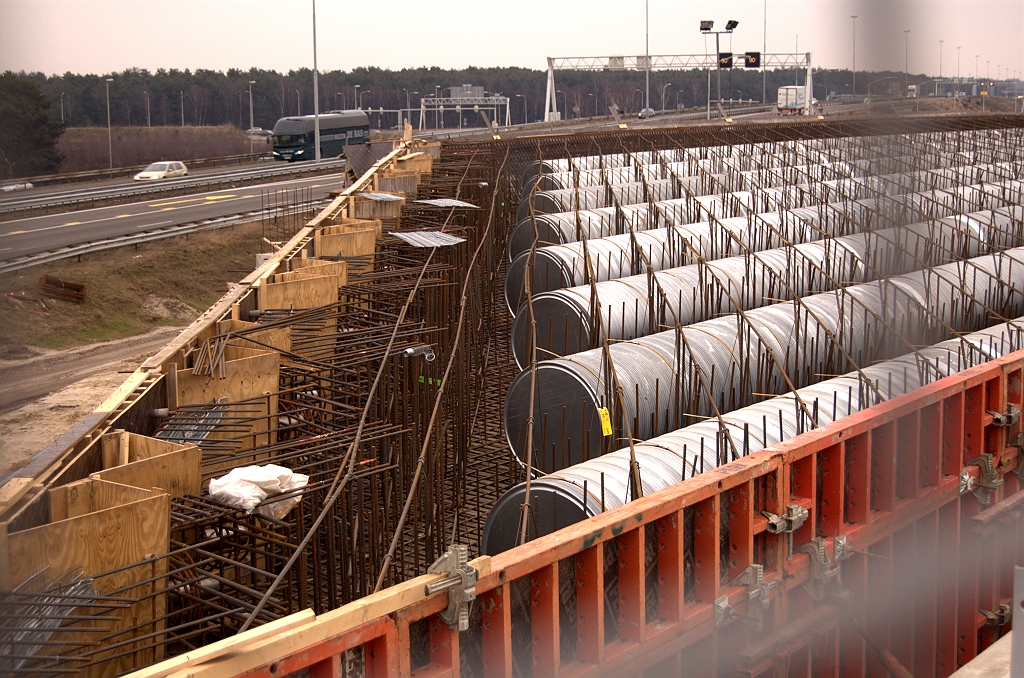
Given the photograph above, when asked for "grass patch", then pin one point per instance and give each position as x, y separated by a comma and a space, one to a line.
194, 271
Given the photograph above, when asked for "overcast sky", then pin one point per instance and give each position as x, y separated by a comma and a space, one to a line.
100, 36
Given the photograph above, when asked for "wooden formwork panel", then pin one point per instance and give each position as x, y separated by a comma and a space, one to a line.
902, 539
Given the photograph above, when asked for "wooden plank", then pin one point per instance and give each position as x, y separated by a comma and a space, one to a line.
354, 243
336, 622
244, 379
91, 495
178, 473
349, 224
110, 446
228, 645
96, 542
13, 490
143, 447
337, 269
296, 294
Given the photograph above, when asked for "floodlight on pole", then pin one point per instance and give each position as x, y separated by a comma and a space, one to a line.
110, 143
706, 26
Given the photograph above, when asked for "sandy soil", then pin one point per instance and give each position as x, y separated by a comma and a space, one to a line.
45, 395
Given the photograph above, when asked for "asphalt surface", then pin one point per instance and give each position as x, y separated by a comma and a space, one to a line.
125, 181
31, 235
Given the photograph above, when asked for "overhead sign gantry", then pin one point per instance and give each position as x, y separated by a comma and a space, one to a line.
675, 62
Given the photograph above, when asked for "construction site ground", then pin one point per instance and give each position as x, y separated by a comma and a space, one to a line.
59, 360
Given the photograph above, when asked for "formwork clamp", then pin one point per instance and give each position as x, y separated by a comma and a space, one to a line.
460, 582
1000, 617
1008, 418
824, 581
789, 522
988, 479
757, 595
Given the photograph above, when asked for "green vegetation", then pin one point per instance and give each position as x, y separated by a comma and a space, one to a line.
28, 132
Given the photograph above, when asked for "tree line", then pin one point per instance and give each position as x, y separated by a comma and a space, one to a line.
204, 97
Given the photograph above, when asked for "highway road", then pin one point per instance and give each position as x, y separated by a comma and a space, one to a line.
32, 235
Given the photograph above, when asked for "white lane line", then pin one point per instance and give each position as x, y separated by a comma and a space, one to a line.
143, 202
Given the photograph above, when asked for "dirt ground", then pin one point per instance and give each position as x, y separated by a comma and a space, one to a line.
43, 396
59, 360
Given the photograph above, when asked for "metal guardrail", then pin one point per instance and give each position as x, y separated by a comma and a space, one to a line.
138, 238
116, 172
36, 205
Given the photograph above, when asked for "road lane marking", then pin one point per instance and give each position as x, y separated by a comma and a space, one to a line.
208, 198
14, 233
72, 223
143, 202
119, 216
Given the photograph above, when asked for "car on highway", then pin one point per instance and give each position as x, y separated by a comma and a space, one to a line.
162, 170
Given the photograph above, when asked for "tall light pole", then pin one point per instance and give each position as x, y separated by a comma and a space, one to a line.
940, 58
298, 104
647, 52
764, 70
110, 143
408, 102
854, 17
62, 106
565, 101
526, 108
251, 83
663, 88
316, 93
958, 70
148, 124
181, 94
591, 94
355, 96
705, 28
906, 60
361, 95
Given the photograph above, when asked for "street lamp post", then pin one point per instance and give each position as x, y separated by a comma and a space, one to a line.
958, 70
148, 124
251, 83
408, 102
764, 70
854, 88
62, 106
591, 94
181, 94
526, 108
906, 61
355, 96
663, 89
110, 143
316, 94
565, 102
298, 104
361, 95
647, 52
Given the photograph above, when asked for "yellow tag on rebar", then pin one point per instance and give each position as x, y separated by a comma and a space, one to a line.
606, 421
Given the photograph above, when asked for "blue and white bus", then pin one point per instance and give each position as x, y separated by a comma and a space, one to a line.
294, 137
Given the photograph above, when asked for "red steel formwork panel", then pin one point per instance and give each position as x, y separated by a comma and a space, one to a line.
908, 536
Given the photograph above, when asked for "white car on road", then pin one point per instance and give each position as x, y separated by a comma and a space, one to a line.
162, 170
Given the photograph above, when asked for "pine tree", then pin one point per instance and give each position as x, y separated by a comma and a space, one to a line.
28, 132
